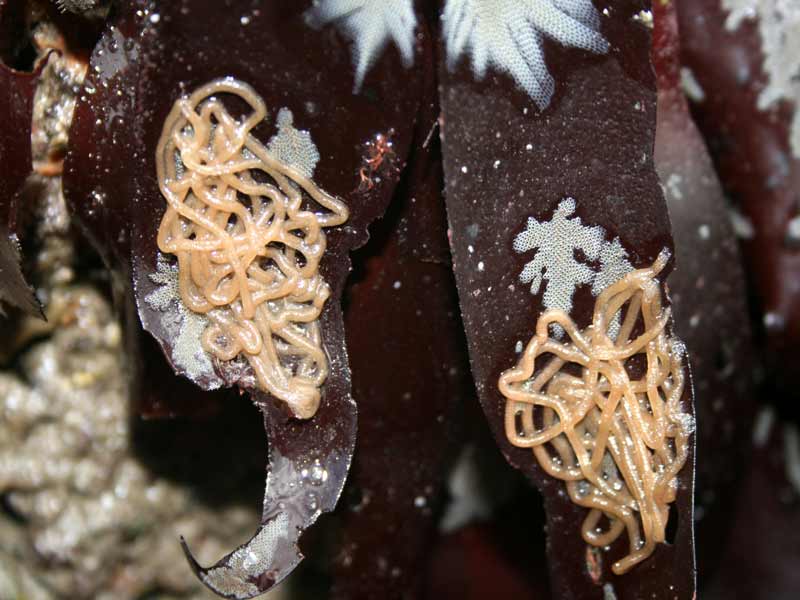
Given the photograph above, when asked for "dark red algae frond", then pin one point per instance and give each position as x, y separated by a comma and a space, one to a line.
134, 84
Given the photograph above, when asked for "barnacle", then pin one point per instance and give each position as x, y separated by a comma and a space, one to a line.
248, 242
603, 413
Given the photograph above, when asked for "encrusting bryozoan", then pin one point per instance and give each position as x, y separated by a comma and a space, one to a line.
370, 25
603, 412
509, 35
240, 222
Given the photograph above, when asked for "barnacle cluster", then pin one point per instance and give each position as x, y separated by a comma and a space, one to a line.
603, 412
94, 519
248, 242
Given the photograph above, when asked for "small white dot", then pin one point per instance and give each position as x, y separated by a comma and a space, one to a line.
155, 18
793, 229
464, 169
496, 164
518, 347
773, 321
529, 147
470, 249
397, 285
704, 231
245, 20
481, 266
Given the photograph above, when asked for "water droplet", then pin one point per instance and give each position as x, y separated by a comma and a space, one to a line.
315, 475
250, 561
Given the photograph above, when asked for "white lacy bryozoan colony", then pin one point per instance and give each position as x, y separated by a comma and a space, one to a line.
369, 24
779, 28
508, 35
556, 264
